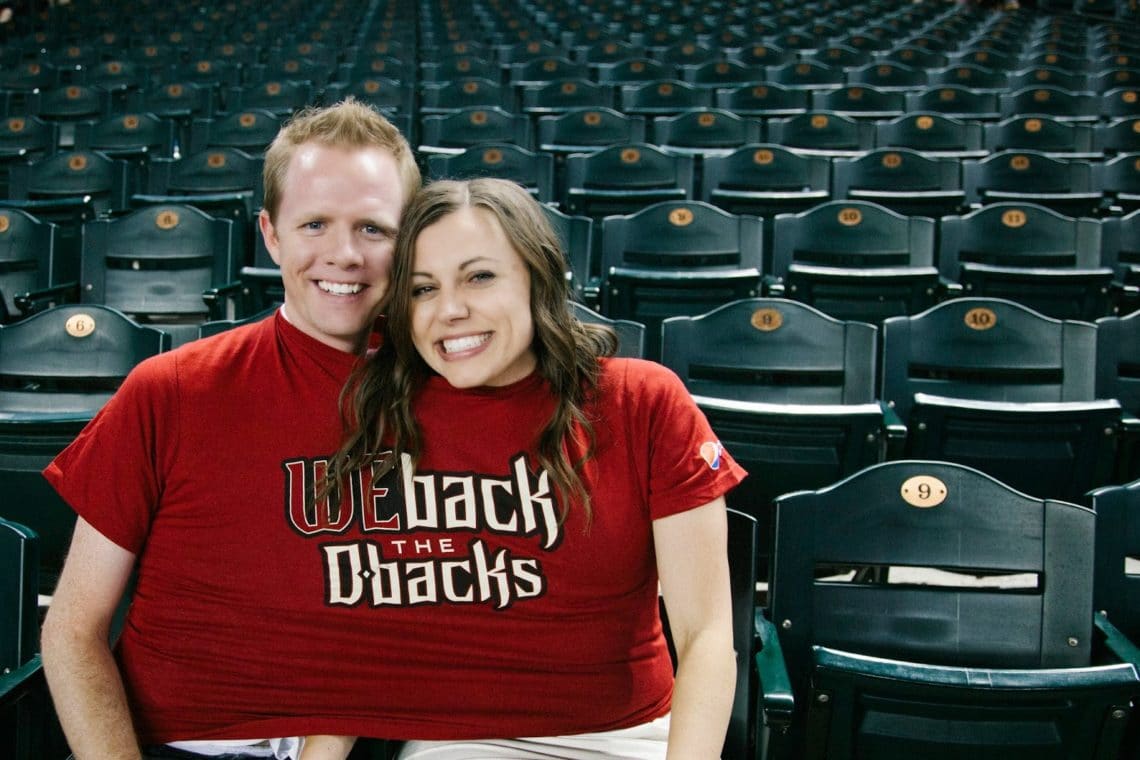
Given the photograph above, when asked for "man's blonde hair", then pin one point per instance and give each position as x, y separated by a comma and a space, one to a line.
347, 124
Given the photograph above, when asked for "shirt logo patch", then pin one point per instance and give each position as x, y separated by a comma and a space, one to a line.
711, 452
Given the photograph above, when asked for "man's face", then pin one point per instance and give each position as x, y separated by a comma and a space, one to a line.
333, 239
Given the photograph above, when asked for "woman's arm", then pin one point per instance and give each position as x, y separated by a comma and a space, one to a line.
84, 679
692, 563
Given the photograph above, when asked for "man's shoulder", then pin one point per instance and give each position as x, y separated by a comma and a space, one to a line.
205, 359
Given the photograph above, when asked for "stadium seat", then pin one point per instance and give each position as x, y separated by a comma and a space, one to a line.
70, 188
467, 92
789, 391
1118, 180
939, 664
1118, 377
282, 97
564, 95
29, 729
1118, 136
588, 129
676, 258
886, 75
1044, 134
768, 100
1030, 176
630, 334
822, 133
1066, 105
534, 171
455, 132
1031, 254
860, 101
623, 179
902, 180
994, 385
932, 134
956, 101
59, 367
1121, 251
765, 180
705, 132
134, 137
224, 182
664, 98
855, 260
29, 260
250, 131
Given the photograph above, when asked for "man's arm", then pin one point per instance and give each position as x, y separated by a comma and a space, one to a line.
692, 563
82, 674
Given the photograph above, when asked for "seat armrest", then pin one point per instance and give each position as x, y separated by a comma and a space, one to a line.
220, 301
896, 431
37, 300
776, 699
19, 681
1119, 645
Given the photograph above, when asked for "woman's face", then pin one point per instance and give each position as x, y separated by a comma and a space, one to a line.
471, 317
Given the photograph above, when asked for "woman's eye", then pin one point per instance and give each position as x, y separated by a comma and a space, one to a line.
420, 290
482, 276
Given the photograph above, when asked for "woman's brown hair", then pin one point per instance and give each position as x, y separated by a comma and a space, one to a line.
376, 405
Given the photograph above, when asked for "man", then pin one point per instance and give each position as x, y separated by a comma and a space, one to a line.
198, 472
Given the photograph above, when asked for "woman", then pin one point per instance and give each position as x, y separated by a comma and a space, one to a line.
583, 480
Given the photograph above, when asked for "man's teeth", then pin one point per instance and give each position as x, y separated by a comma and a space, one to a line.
340, 288
464, 344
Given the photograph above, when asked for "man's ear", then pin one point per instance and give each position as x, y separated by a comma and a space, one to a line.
269, 235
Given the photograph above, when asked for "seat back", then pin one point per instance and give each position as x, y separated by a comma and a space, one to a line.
765, 180
57, 369
28, 259
534, 171
624, 179
1030, 176
630, 334
675, 258
1116, 577
1031, 254
250, 130
585, 129
986, 349
856, 260
769, 100
705, 131
936, 515
975, 628
772, 350
19, 589
743, 544
994, 385
903, 180
823, 133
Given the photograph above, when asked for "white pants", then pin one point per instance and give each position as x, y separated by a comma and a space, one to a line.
645, 742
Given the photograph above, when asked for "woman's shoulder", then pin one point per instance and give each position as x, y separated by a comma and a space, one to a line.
639, 375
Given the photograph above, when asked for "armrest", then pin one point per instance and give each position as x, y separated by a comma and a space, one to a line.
772, 286
776, 697
1119, 645
37, 300
19, 681
219, 300
896, 431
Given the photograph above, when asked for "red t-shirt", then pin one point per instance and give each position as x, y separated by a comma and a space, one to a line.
446, 604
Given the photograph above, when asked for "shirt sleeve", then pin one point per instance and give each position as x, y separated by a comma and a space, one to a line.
688, 467
111, 474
